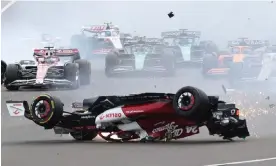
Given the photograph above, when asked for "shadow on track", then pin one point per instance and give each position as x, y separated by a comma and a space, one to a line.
71, 142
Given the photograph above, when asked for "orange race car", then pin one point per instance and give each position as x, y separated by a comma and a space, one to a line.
220, 63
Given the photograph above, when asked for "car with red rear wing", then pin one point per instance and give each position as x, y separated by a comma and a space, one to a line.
52, 67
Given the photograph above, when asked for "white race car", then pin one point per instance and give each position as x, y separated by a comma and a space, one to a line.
51, 68
97, 40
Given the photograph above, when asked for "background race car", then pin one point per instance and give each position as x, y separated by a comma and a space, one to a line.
258, 75
97, 40
61, 67
254, 44
186, 46
240, 51
145, 55
124, 37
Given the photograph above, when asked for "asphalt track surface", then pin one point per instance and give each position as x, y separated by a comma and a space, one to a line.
24, 143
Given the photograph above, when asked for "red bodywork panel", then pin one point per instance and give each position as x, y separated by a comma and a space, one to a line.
161, 117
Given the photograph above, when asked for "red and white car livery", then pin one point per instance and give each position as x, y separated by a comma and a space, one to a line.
109, 33
51, 67
144, 117
97, 40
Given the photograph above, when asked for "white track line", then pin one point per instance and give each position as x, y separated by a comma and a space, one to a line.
7, 6
243, 162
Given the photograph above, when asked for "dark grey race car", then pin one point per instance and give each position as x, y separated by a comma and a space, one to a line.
147, 56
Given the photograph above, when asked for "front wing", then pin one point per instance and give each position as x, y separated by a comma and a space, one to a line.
46, 81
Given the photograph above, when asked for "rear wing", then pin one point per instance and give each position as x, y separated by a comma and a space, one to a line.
170, 34
153, 41
98, 28
58, 52
191, 34
129, 42
247, 42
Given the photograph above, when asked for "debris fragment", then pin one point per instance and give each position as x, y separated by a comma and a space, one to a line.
171, 14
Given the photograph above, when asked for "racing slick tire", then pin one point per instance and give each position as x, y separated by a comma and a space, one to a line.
84, 135
209, 62
46, 111
12, 74
84, 71
235, 73
71, 73
192, 103
3, 71
169, 64
111, 60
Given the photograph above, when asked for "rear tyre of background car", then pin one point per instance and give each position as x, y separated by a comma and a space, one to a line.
84, 71
111, 60
12, 74
169, 64
235, 74
192, 103
84, 135
46, 111
209, 62
3, 71
71, 73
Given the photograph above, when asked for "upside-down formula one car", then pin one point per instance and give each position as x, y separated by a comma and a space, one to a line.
53, 67
144, 56
96, 41
145, 117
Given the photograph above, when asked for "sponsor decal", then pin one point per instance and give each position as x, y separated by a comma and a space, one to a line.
134, 111
170, 128
110, 115
87, 117
17, 110
253, 42
159, 123
192, 129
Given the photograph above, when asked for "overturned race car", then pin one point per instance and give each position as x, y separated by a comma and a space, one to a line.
141, 117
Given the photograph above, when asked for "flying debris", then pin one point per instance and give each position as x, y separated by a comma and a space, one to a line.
171, 14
